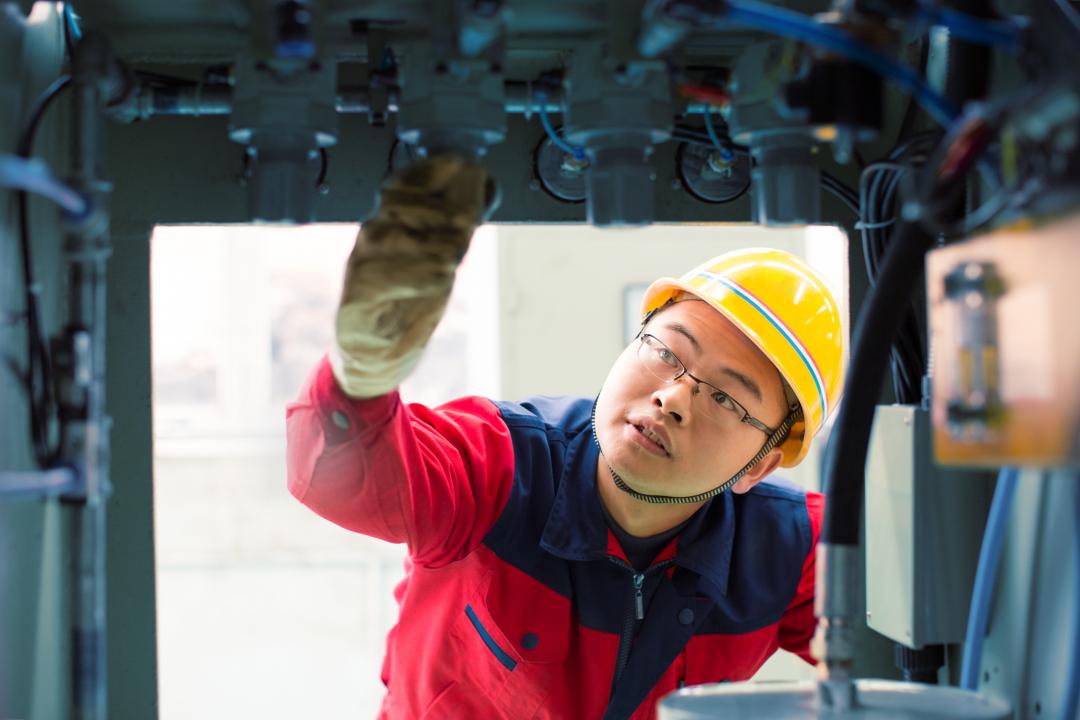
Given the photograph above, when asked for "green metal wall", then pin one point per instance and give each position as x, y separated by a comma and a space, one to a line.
33, 550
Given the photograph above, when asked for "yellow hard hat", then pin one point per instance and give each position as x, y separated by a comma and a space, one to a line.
785, 307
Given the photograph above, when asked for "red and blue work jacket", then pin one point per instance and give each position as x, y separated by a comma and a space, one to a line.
518, 601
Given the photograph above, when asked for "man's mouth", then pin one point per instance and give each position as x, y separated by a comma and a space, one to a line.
650, 440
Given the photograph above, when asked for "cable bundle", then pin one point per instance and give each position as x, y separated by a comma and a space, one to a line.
879, 189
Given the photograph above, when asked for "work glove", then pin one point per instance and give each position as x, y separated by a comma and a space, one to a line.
401, 271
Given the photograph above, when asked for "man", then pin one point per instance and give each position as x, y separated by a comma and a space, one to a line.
572, 558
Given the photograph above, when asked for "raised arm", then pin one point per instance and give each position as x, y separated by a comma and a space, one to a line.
433, 478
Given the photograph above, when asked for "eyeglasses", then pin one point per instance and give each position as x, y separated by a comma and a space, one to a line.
665, 365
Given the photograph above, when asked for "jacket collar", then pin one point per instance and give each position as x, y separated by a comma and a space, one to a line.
576, 528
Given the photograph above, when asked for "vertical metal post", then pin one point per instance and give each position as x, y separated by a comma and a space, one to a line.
86, 427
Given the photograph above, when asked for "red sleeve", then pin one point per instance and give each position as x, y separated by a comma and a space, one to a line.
798, 623
436, 479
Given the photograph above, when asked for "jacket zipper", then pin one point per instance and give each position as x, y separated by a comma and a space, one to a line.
633, 614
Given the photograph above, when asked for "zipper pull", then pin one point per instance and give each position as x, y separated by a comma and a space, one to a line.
639, 601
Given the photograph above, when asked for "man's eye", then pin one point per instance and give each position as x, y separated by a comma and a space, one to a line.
723, 400
667, 357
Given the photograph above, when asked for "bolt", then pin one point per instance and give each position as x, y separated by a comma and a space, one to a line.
571, 165
534, 184
676, 184
719, 165
843, 145
324, 189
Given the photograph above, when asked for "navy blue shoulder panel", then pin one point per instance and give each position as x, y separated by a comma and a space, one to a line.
559, 415
773, 537
541, 430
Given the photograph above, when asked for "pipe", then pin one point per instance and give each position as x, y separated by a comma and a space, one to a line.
785, 23
82, 360
1071, 695
34, 176
206, 100
986, 576
37, 484
972, 29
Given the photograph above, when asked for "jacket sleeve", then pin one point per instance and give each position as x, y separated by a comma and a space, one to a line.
798, 623
435, 479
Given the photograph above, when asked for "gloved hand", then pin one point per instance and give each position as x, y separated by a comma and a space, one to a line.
401, 271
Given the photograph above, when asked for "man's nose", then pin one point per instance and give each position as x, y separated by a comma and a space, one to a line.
675, 397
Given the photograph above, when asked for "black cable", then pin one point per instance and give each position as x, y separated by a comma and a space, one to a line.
39, 376
37, 111
164, 80
844, 193
324, 166
879, 198
878, 323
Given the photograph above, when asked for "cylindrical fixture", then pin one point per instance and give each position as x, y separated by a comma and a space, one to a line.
833, 646
660, 30
785, 180
619, 185
479, 24
281, 185
874, 700
450, 105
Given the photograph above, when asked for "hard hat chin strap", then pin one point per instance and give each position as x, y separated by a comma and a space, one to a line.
772, 441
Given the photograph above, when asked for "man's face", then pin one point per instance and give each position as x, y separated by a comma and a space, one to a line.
699, 448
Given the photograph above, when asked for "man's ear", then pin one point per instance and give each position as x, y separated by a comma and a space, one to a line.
758, 473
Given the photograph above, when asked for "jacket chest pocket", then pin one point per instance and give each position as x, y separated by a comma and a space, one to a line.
514, 636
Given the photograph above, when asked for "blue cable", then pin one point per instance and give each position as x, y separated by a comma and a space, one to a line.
994, 33
577, 151
34, 176
72, 22
1071, 701
785, 23
726, 154
986, 576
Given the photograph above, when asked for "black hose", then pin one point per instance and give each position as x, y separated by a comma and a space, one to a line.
877, 326
842, 192
39, 381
